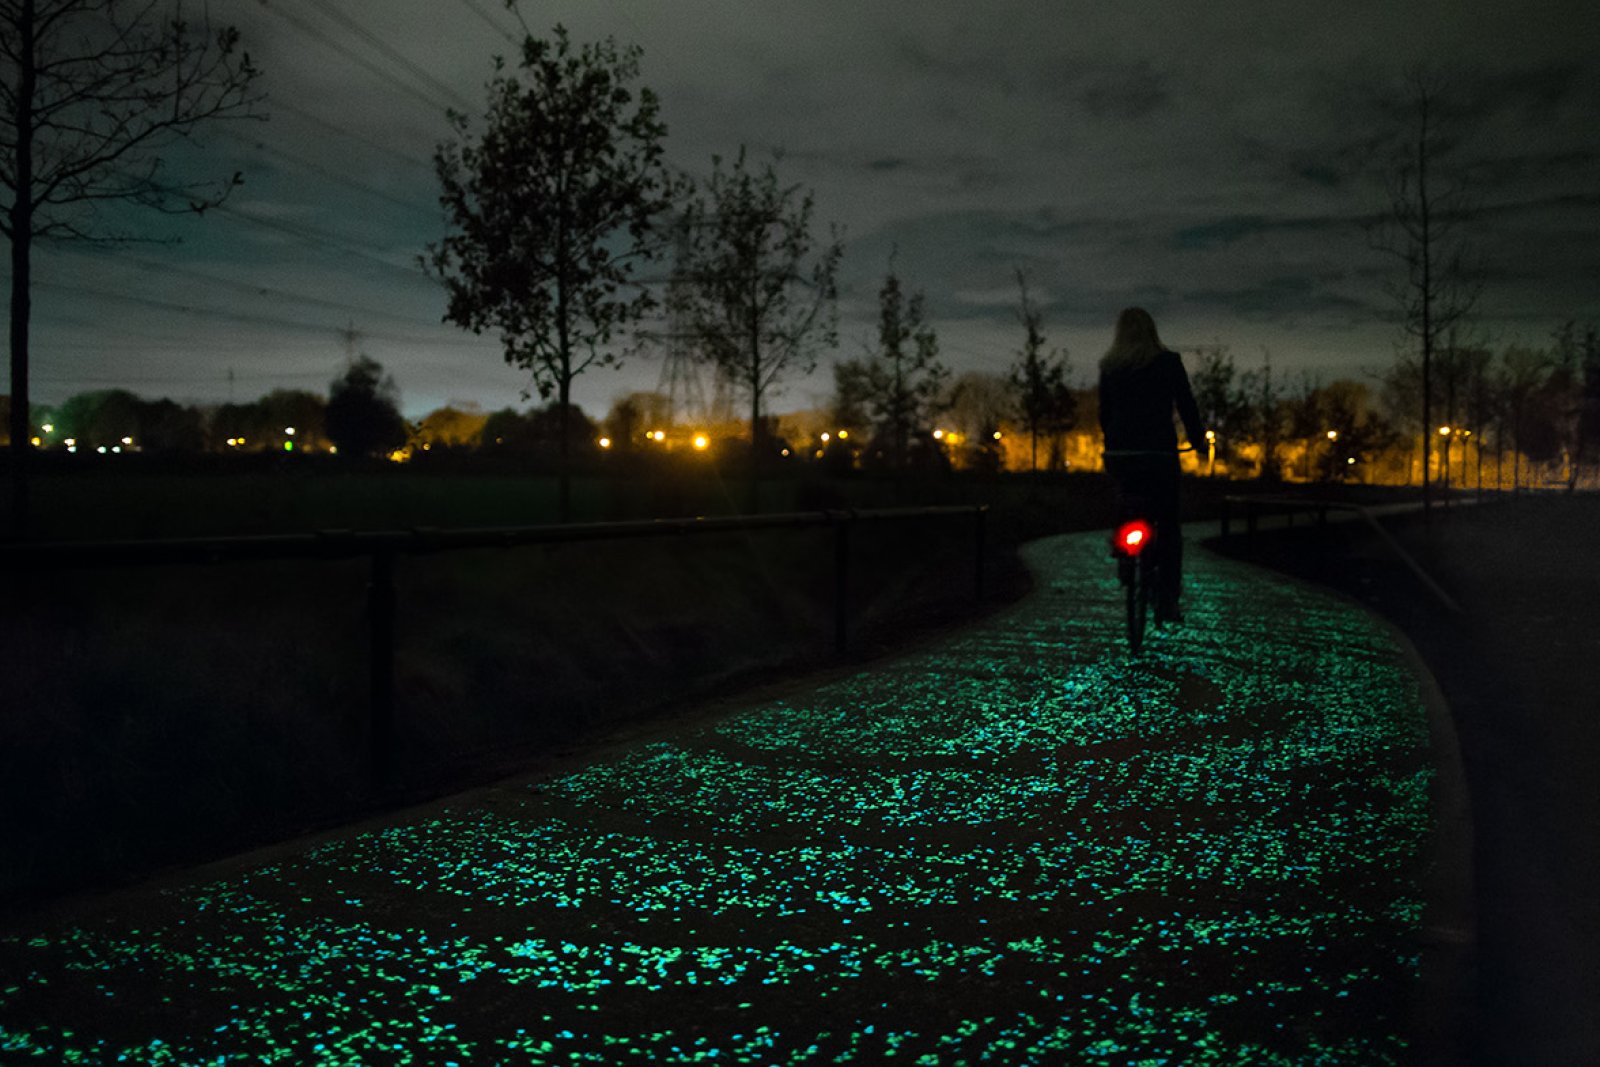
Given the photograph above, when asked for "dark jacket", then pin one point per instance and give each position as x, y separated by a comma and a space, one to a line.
1136, 406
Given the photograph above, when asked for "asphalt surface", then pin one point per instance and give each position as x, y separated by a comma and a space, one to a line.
1014, 845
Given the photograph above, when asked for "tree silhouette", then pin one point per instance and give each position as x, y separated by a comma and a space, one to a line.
90, 92
1422, 229
363, 414
569, 161
757, 293
897, 388
1045, 402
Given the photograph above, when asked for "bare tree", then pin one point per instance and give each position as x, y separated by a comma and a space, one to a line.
569, 160
1421, 227
759, 294
1045, 401
90, 92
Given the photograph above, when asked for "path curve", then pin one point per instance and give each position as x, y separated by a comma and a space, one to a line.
1017, 845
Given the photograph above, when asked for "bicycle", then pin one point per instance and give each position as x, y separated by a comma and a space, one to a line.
1138, 564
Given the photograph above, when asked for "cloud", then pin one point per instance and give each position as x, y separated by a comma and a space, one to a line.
1125, 92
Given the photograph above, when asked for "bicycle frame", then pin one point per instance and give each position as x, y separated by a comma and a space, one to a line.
1132, 545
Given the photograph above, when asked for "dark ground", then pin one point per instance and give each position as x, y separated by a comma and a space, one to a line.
1520, 669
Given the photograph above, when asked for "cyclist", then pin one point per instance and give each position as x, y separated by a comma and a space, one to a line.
1140, 383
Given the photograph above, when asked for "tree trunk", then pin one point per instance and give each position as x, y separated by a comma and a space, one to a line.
21, 223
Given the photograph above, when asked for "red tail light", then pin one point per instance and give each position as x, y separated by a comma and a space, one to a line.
1132, 537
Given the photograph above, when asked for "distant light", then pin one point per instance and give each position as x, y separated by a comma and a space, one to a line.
1211, 435
1466, 433
842, 434
819, 453
997, 435
127, 440
938, 435
659, 435
72, 448
101, 450
241, 440
71, 441
333, 450
288, 446
1444, 431
1333, 435
289, 430
37, 441
605, 442
425, 445
785, 452
117, 449
701, 441
824, 438
1351, 461
47, 428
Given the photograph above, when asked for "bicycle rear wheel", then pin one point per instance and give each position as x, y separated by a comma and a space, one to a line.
1138, 596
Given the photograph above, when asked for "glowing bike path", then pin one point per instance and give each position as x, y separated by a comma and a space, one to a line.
1015, 847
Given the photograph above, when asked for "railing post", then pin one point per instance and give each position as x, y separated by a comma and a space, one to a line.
841, 581
380, 663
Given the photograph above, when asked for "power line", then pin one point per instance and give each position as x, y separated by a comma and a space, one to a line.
240, 318
351, 135
474, 7
328, 42
321, 171
386, 49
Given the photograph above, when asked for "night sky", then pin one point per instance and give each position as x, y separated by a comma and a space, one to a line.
1215, 163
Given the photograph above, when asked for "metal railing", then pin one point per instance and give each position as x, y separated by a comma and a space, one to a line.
1288, 507
382, 546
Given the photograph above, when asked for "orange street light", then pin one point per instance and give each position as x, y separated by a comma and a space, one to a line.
702, 442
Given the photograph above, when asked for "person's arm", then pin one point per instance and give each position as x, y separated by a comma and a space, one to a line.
1188, 410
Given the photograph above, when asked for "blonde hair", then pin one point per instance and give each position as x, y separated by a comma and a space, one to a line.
1136, 342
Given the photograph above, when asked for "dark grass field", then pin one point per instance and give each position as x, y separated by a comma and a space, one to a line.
1520, 668
163, 715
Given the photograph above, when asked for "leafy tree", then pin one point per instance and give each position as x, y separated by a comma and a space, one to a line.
897, 388
1578, 360
1523, 372
507, 430
635, 414
305, 411
1220, 394
91, 92
450, 427
758, 293
167, 426
1263, 415
1426, 210
100, 417
363, 417
851, 391
1045, 403
568, 169
978, 406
